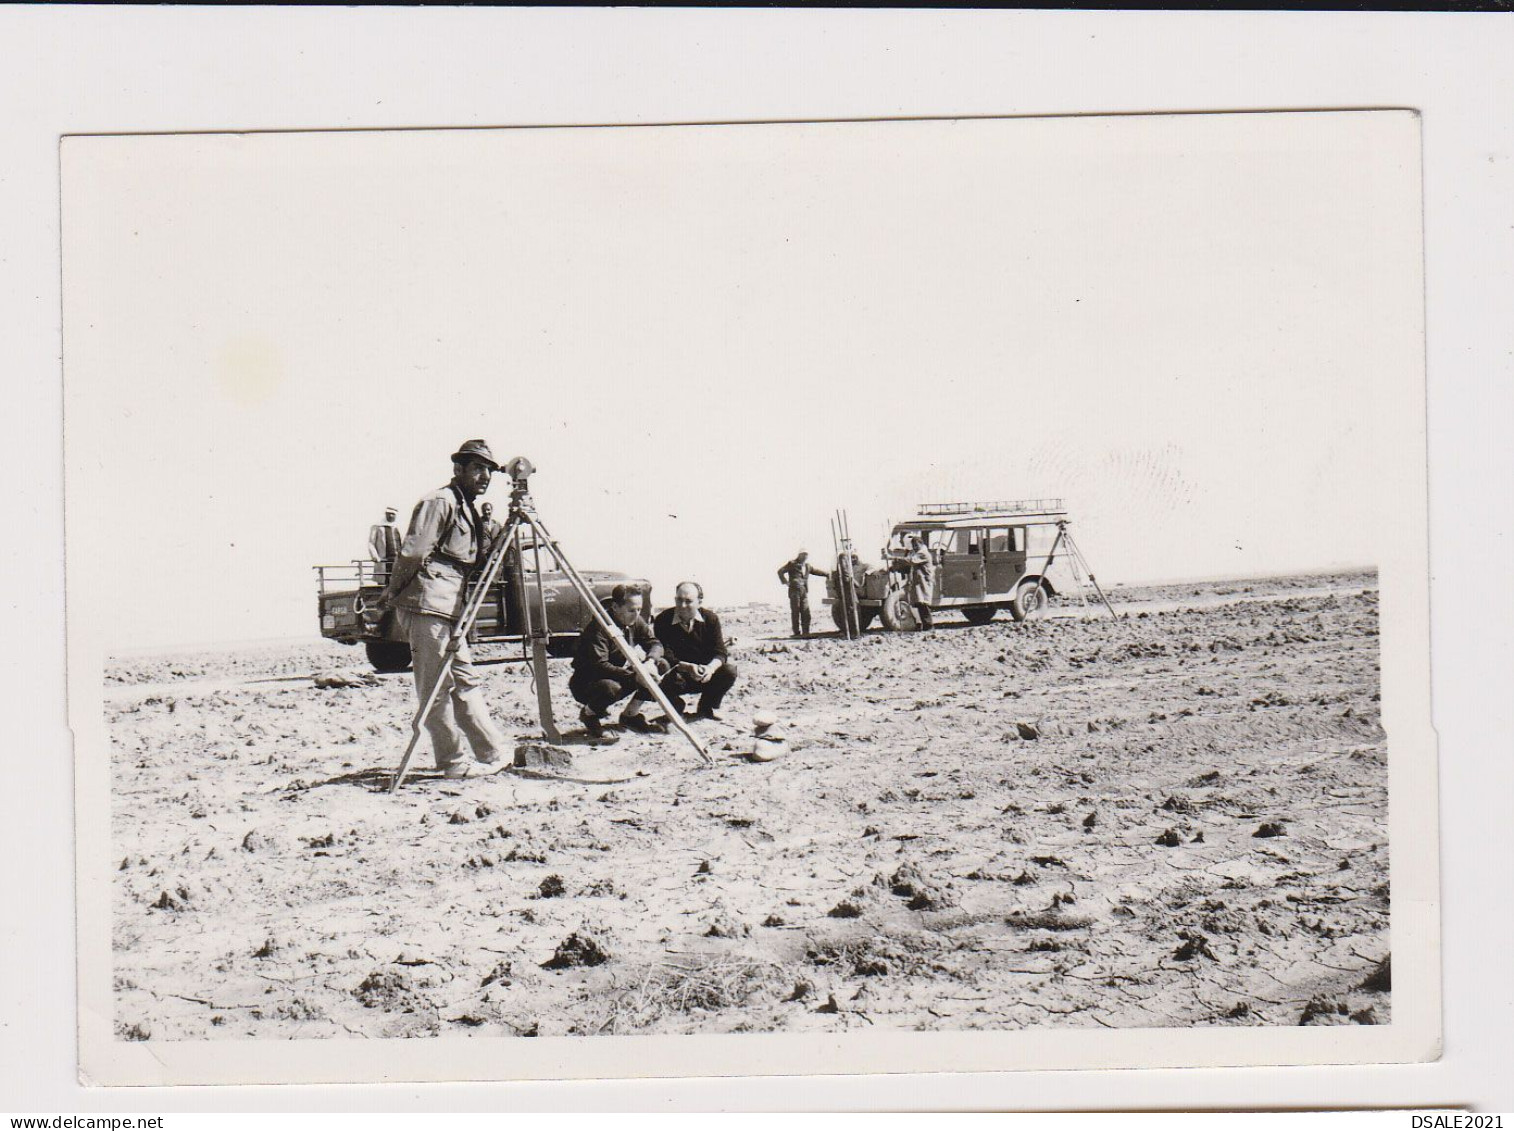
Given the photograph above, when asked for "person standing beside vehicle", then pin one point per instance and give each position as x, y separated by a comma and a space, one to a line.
492, 528
796, 575
922, 573
427, 589
384, 544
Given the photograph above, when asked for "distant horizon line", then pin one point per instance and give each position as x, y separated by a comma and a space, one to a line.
244, 643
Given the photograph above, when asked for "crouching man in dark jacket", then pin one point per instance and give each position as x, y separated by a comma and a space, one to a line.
601, 674
692, 639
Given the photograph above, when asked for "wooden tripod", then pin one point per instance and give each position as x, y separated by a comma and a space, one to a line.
533, 607
1064, 536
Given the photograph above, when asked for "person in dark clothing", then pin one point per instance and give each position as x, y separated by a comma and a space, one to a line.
492, 528
922, 573
796, 575
695, 645
601, 674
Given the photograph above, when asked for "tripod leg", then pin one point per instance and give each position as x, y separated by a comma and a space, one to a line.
1092, 580
538, 664
1051, 554
647, 677
418, 721
539, 633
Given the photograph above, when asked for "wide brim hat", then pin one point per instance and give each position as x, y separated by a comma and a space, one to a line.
476, 449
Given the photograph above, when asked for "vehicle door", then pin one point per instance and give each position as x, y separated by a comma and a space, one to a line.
962, 564
565, 613
1003, 560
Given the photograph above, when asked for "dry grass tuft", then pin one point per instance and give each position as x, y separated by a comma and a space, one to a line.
699, 986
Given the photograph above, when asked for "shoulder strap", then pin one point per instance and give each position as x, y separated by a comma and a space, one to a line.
465, 505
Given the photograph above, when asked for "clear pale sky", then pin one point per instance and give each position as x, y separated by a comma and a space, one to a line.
1203, 331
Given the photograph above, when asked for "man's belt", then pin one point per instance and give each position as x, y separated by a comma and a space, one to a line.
455, 563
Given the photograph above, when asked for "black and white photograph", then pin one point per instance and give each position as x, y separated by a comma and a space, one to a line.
932, 594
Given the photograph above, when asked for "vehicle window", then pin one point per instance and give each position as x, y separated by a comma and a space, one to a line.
998, 541
529, 558
973, 540
1017, 539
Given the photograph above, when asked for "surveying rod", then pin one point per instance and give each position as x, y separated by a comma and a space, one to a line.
854, 610
844, 578
840, 582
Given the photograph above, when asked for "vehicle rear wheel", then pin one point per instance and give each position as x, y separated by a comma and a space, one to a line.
979, 614
898, 614
1029, 601
864, 617
388, 655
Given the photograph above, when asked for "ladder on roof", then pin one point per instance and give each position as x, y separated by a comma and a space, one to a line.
994, 506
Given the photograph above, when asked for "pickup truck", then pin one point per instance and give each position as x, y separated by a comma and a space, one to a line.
349, 593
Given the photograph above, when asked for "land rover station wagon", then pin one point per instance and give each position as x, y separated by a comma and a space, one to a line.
989, 556
348, 595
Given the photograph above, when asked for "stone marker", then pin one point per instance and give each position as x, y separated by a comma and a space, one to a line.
542, 756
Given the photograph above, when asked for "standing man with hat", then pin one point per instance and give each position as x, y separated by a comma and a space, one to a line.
796, 575
384, 545
426, 588
922, 575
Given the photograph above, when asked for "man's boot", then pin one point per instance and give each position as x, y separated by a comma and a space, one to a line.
632, 719
592, 722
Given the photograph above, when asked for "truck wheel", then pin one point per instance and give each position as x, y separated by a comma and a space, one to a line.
388, 655
864, 617
898, 614
979, 614
1029, 601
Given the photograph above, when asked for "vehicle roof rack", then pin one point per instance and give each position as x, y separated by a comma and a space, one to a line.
992, 507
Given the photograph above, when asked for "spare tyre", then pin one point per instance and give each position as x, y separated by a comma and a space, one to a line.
897, 613
388, 655
1029, 600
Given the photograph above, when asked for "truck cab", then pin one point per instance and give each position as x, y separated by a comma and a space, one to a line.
347, 598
